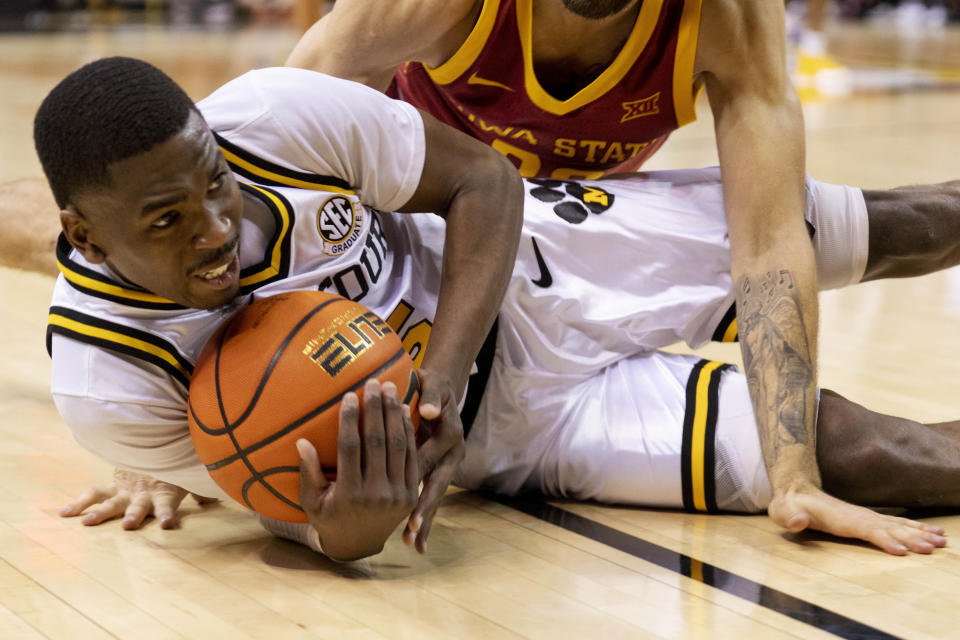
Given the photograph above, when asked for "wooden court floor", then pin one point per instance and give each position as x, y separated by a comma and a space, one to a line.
496, 569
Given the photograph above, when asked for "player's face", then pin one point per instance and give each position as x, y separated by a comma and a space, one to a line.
169, 221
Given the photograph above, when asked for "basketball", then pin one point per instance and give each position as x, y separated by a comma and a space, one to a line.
275, 372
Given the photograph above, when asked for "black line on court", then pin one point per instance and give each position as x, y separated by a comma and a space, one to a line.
731, 583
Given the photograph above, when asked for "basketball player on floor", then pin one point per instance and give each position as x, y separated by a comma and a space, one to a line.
574, 88
169, 226
570, 88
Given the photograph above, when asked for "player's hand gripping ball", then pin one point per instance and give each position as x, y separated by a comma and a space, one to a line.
276, 372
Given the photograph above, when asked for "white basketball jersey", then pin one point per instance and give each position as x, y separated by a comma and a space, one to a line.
323, 156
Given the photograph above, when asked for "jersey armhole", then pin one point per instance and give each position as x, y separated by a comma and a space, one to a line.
467, 54
684, 94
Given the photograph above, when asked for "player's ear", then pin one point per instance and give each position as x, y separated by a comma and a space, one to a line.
77, 230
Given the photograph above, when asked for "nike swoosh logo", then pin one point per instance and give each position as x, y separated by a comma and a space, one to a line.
545, 278
475, 79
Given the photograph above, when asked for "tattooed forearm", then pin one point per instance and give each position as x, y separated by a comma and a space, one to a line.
777, 358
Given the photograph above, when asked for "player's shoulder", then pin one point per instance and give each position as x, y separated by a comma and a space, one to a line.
426, 17
285, 92
734, 33
259, 89
95, 319
90, 373
267, 111
732, 12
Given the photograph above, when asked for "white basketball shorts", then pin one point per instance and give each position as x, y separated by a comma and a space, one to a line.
578, 401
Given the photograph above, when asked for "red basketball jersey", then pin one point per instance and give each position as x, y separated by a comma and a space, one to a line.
488, 89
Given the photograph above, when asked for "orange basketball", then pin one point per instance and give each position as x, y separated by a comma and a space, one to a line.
276, 372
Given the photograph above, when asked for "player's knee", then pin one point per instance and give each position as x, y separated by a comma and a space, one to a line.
952, 189
851, 454
841, 444
854, 472
868, 455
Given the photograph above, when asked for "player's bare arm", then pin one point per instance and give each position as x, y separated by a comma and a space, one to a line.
759, 129
480, 195
365, 40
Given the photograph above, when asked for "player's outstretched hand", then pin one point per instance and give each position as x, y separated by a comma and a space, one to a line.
811, 508
439, 454
133, 496
377, 475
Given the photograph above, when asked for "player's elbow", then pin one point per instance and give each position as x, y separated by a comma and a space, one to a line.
505, 175
768, 244
504, 179
493, 179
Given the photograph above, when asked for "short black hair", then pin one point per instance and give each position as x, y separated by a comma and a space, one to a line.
106, 111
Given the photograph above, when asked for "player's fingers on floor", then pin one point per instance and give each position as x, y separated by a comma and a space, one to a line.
884, 539
166, 515
424, 532
88, 498
165, 505
913, 543
897, 538
409, 536
434, 487
139, 508
374, 436
106, 510
411, 466
433, 492
443, 446
931, 533
924, 526
918, 540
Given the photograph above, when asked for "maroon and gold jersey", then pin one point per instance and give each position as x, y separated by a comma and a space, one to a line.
488, 89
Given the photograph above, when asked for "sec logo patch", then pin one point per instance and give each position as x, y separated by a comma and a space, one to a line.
339, 224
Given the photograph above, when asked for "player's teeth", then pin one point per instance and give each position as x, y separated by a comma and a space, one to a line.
213, 273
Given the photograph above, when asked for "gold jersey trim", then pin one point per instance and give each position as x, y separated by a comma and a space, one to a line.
120, 339
102, 286
467, 54
264, 172
275, 264
611, 76
684, 94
